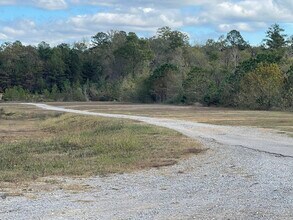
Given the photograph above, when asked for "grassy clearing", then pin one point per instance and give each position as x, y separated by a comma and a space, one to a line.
35, 144
280, 121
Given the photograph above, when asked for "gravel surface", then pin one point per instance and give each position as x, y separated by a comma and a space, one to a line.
229, 181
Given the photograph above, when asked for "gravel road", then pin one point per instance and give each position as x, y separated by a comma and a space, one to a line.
247, 173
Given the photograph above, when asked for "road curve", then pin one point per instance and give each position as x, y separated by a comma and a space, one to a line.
247, 137
225, 182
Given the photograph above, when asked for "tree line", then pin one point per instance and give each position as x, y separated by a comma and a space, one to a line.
164, 68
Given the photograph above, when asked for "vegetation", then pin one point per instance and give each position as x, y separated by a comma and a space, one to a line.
163, 68
35, 144
261, 88
281, 121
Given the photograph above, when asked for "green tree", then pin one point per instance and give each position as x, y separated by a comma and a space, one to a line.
165, 84
235, 43
101, 39
175, 38
212, 50
261, 88
44, 50
55, 93
133, 55
20, 66
234, 39
200, 86
288, 89
289, 78
16, 93
275, 37
56, 69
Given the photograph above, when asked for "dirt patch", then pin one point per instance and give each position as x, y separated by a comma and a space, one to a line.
194, 151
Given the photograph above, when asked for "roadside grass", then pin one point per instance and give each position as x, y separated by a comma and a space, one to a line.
280, 121
37, 144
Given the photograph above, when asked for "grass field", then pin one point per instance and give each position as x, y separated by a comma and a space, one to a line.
36, 143
280, 121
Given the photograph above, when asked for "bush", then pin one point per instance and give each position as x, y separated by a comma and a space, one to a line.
16, 93
287, 101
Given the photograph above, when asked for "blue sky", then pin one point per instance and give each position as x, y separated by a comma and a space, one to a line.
57, 21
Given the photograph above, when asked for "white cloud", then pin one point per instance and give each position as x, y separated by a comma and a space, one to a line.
146, 16
3, 36
50, 4
44, 4
236, 26
146, 3
17, 29
13, 31
7, 2
147, 10
138, 19
243, 15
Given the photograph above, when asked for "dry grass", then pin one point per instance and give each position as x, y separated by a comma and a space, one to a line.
35, 143
280, 121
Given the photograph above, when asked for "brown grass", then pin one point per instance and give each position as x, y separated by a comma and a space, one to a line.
280, 121
36, 143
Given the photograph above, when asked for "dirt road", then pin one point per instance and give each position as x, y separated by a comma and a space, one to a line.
241, 176
248, 137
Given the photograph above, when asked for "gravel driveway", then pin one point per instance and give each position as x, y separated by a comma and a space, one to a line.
247, 173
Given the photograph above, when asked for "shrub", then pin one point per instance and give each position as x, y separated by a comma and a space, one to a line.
16, 93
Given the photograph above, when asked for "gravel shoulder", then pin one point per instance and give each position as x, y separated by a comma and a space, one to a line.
247, 173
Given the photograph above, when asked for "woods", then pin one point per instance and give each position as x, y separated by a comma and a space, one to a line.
164, 68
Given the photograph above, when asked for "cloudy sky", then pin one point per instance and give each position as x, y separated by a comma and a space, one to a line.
56, 21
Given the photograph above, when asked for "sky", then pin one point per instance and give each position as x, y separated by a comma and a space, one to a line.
69, 21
